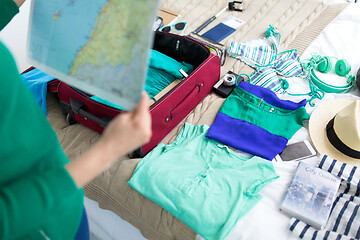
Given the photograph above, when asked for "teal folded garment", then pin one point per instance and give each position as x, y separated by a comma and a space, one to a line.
106, 102
202, 182
36, 81
162, 71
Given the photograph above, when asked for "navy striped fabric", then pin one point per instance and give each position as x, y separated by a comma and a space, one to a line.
344, 220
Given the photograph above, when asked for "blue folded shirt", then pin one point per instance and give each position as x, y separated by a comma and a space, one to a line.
36, 81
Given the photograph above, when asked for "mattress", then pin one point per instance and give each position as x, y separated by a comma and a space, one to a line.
265, 220
300, 23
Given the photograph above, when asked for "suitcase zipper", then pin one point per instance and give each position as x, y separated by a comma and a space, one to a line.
178, 49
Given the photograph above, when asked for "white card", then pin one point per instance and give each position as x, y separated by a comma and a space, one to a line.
233, 22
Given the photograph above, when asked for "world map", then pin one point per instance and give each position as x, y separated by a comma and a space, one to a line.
101, 47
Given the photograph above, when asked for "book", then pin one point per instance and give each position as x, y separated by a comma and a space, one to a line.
310, 195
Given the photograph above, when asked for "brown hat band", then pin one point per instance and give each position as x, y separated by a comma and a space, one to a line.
337, 143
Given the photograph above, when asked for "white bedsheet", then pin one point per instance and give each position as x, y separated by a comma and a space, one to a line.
265, 221
341, 39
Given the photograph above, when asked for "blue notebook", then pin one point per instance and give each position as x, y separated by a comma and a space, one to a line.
219, 32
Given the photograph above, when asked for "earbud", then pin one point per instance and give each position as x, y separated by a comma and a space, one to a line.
342, 67
324, 65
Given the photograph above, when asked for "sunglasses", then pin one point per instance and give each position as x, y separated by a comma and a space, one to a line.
180, 26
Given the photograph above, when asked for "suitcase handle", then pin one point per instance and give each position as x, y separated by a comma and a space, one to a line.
187, 99
77, 107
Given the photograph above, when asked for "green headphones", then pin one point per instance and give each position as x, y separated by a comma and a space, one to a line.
324, 65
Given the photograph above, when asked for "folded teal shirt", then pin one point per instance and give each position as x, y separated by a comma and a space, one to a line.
202, 182
162, 71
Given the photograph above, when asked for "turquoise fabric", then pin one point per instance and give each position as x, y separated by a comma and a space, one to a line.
202, 182
106, 102
36, 81
162, 71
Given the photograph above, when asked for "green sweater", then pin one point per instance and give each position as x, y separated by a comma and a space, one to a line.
38, 197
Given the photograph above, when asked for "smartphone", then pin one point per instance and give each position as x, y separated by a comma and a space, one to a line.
296, 151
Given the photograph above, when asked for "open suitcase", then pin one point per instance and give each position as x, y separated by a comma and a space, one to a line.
167, 111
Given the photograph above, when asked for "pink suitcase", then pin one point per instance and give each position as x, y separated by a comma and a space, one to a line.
169, 110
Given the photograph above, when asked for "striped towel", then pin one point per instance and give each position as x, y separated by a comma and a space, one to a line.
344, 220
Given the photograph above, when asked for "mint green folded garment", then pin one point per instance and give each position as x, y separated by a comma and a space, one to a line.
202, 182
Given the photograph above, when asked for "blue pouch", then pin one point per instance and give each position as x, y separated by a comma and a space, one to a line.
219, 32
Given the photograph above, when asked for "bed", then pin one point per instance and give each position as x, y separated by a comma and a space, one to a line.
327, 28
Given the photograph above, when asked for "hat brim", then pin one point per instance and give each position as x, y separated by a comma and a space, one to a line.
317, 129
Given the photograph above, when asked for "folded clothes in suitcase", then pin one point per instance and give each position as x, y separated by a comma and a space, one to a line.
167, 108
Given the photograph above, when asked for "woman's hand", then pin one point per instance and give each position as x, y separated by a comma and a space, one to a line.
128, 131
125, 133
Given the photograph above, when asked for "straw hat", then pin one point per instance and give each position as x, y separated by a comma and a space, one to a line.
334, 129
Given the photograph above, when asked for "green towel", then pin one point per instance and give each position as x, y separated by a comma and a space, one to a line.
162, 71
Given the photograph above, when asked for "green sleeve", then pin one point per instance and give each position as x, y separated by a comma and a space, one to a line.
25, 204
36, 191
8, 9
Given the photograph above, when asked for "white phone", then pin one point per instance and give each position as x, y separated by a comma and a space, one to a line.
296, 151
